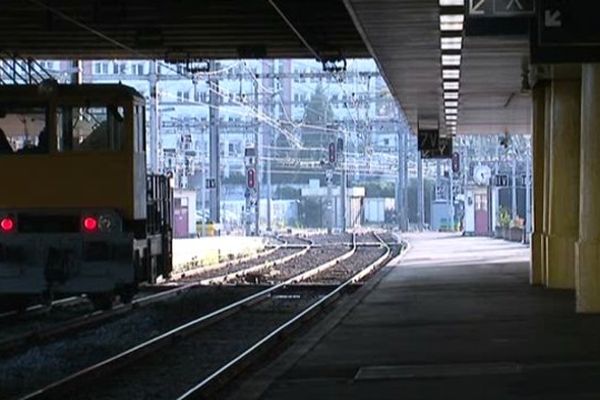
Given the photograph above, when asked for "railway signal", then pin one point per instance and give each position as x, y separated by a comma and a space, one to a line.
251, 178
455, 162
332, 153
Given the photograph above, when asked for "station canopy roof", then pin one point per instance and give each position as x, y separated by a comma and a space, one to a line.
404, 37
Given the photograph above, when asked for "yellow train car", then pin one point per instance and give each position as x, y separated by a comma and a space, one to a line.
78, 211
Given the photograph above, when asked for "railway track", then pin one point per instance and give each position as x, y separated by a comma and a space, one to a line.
273, 312
42, 324
38, 309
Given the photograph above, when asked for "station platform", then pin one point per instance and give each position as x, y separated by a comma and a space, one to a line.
454, 319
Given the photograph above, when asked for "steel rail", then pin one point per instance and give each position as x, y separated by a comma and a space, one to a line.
16, 342
234, 367
39, 308
120, 360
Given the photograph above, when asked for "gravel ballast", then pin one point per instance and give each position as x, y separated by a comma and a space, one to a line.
41, 365
346, 269
281, 272
172, 371
237, 267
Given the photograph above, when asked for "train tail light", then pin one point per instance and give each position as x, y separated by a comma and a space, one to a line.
7, 224
89, 223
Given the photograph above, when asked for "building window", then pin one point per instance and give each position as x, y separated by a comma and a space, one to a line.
138, 69
48, 65
90, 128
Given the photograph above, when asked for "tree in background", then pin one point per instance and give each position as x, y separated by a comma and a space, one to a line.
318, 117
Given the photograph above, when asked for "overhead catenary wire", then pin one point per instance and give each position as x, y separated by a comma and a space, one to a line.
255, 112
119, 44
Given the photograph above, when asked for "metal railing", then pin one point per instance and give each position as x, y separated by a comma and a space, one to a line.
19, 70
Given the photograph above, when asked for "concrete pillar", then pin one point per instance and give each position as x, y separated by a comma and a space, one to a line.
536, 275
563, 227
546, 180
587, 271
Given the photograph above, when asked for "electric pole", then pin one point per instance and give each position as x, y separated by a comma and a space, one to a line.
420, 193
153, 131
214, 154
257, 155
270, 66
513, 200
344, 179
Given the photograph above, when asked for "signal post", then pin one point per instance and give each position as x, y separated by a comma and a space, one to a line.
251, 193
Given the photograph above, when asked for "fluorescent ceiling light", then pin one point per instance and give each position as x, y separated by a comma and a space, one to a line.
450, 95
451, 111
451, 104
450, 85
451, 60
451, 22
451, 43
454, 27
446, 3
451, 18
451, 117
450, 74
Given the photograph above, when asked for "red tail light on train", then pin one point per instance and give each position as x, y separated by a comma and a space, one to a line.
90, 224
7, 224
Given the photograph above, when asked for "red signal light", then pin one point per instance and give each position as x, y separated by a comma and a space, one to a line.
251, 178
90, 224
7, 224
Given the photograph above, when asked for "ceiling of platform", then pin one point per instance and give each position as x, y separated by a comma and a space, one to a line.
402, 35
404, 38
155, 28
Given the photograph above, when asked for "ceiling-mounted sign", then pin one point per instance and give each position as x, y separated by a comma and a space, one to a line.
569, 23
428, 139
500, 8
566, 31
442, 151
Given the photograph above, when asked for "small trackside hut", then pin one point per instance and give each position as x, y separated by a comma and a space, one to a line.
78, 211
